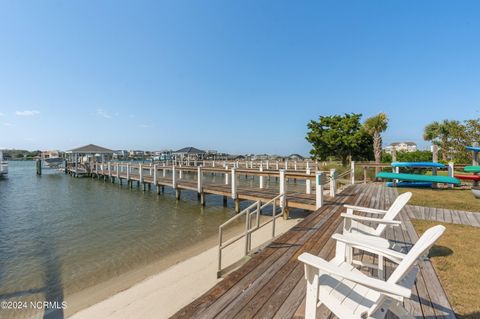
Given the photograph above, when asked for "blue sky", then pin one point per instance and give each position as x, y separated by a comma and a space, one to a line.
236, 76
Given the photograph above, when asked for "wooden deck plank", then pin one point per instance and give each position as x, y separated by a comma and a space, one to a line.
436, 295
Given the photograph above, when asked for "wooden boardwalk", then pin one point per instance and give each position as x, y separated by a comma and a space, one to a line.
444, 215
294, 199
271, 284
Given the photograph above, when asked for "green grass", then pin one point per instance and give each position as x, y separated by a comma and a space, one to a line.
456, 258
458, 199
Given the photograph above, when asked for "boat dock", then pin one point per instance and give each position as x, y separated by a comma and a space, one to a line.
320, 186
272, 285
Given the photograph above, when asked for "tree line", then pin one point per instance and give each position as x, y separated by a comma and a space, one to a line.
345, 137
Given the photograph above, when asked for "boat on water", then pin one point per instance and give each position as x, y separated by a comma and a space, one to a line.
3, 166
52, 159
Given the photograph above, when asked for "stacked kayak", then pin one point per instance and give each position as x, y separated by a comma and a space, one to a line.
470, 177
475, 169
416, 180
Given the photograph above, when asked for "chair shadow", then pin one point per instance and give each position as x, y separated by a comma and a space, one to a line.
440, 251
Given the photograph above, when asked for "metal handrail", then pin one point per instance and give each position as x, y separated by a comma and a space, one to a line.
253, 209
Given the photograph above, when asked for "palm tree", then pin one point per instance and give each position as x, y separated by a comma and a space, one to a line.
374, 126
439, 134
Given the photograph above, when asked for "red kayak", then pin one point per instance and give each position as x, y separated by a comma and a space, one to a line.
468, 177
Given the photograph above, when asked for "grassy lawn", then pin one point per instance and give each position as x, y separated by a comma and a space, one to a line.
456, 258
459, 199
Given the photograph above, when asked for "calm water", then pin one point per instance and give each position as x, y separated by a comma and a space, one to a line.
60, 235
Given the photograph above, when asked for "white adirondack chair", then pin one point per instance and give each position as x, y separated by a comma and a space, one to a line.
350, 294
354, 226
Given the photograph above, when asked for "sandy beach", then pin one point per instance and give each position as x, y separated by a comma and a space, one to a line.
161, 295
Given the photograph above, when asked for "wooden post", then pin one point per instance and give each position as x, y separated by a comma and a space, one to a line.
155, 178
276, 165
180, 173
333, 182
76, 162
38, 164
435, 160
234, 190
319, 179
308, 182
140, 173
226, 175
283, 193
109, 170
200, 185
261, 176
295, 165
234, 183
475, 161
266, 165
475, 155
352, 172
174, 177
286, 164
450, 172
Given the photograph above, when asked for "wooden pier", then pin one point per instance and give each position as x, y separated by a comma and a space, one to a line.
320, 187
272, 285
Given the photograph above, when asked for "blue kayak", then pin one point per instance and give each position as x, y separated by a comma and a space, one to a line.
473, 148
418, 164
410, 184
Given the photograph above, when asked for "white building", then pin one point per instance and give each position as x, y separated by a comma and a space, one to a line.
401, 147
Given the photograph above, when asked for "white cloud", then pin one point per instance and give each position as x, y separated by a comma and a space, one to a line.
145, 126
103, 113
27, 113
8, 124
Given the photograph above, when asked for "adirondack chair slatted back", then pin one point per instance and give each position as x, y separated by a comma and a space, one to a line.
393, 211
421, 247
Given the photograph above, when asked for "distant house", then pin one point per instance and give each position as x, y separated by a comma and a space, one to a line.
120, 154
189, 153
401, 147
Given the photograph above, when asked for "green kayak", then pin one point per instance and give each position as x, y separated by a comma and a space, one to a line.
472, 169
419, 178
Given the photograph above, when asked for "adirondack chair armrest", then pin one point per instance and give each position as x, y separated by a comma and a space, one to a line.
366, 209
350, 240
392, 290
371, 219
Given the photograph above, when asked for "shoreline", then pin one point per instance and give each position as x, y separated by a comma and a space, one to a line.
97, 293
161, 294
